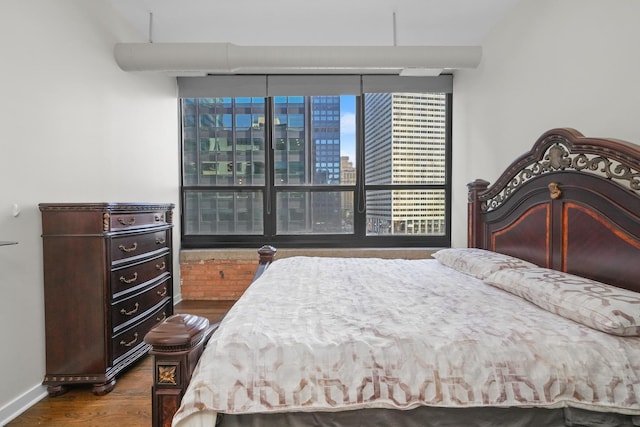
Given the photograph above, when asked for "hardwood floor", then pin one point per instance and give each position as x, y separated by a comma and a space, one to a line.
129, 404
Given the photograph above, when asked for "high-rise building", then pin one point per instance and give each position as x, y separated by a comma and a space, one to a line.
307, 151
348, 175
405, 144
224, 150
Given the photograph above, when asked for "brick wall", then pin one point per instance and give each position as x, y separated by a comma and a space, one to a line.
216, 279
218, 274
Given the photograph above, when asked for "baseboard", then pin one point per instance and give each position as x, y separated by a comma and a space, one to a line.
29, 398
21, 403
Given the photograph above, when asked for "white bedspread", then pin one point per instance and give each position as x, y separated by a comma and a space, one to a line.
331, 334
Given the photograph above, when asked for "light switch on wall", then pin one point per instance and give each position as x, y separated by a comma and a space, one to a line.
15, 210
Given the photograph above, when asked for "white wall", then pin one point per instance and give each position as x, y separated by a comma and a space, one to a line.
74, 128
549, 63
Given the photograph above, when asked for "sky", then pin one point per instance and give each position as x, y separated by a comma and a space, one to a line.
348, 127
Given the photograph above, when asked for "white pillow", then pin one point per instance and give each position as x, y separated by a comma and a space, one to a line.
479, 263
600, 306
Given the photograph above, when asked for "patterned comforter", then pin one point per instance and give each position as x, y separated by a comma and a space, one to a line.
334, 334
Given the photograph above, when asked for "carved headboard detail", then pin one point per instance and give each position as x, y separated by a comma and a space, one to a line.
571, 203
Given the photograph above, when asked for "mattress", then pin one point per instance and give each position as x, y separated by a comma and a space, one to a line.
325, 335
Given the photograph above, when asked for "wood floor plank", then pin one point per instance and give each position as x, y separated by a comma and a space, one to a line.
129, 404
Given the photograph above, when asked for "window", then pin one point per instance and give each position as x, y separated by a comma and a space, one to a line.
370, 168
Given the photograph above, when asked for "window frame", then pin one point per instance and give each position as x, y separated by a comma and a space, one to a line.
357, 239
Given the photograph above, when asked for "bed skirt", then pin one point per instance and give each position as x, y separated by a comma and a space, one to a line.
425, 417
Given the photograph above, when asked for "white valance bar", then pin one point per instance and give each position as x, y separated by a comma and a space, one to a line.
308, 85
222, 86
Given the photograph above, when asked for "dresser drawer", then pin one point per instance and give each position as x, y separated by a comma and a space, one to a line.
130, 309
130, 339
108, 273
123, 248
123, 221
127, 279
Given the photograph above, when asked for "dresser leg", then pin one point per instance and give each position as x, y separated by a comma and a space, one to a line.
104, 388
56, 390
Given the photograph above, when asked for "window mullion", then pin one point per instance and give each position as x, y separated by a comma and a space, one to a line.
269, 191
359, 202
306, 180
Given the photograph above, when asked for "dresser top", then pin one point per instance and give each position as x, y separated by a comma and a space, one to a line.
106, 207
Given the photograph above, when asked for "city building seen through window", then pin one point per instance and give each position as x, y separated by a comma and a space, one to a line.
316, 171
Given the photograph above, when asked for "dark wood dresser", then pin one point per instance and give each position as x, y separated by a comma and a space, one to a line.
107, 282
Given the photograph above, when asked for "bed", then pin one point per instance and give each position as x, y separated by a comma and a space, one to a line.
536, 322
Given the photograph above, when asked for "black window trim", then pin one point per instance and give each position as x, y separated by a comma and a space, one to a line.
357, 239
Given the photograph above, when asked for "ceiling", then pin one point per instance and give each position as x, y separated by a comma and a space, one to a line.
305, 22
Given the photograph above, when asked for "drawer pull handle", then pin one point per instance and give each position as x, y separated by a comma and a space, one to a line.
158, 218
160, 240
129, 222
131, 249
129, 313
160, 319
162, 293
161, 266
127, 281
130, 343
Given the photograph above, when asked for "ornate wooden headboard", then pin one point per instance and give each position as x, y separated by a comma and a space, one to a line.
572, 203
